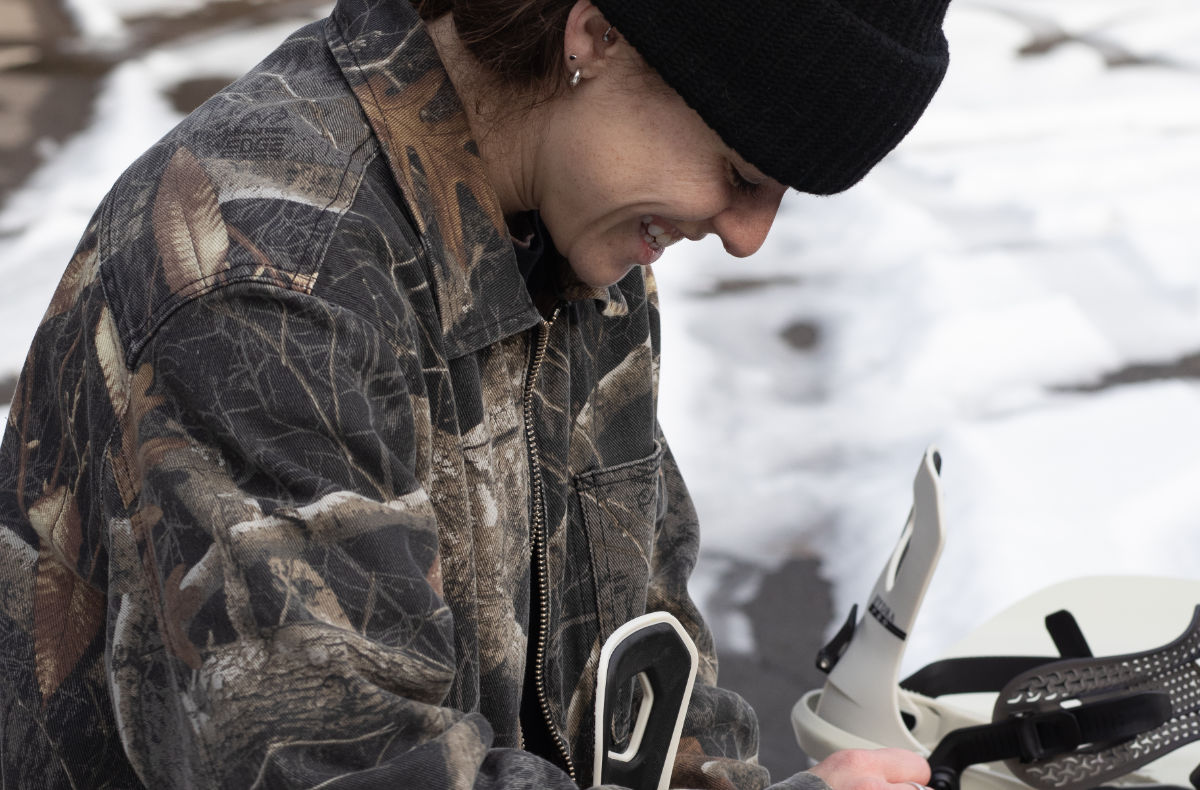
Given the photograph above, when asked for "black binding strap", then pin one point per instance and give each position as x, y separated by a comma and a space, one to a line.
991, 673
1067, 636
830, 654
1036, 736
967, 675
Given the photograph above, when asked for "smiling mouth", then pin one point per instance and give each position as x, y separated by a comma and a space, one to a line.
658, 234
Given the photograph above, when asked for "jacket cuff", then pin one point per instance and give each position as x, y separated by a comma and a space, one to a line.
801, 781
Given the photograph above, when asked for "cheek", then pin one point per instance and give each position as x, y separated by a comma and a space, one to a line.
605, 175
616, 163
618, 157
594, 194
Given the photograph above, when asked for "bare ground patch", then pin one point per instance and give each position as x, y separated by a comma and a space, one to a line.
1186, 367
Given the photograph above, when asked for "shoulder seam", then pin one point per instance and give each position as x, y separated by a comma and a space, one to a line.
321, 238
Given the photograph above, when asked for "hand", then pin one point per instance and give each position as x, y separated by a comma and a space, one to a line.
873, 769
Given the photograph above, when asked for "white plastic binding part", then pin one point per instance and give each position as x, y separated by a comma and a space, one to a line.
861, 694
861, 703
639, 728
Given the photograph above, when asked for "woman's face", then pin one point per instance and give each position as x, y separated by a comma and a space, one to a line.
626, 168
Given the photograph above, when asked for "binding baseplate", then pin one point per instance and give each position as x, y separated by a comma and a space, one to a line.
1169, 671
1053, 722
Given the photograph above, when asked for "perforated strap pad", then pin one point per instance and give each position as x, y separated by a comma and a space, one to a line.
1171, 669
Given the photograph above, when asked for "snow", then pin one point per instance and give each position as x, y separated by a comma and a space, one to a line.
41, 223
1036, 232
103, 21
99, 23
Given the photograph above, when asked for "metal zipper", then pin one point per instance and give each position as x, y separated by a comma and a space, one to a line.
538, 536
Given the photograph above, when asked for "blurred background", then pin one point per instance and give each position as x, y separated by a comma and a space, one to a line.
1017, 284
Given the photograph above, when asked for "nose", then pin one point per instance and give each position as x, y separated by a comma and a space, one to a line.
743, 226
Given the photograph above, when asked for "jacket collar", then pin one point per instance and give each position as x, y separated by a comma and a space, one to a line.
389, 60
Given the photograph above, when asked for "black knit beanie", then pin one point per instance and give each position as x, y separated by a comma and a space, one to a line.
812, 92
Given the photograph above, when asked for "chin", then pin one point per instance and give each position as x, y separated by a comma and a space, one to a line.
603, 275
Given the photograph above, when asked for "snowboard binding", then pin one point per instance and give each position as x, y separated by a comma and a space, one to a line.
1058, 722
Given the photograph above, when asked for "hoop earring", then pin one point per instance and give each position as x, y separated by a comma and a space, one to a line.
605, 37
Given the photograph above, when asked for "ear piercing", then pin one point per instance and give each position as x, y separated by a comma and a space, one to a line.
577, 76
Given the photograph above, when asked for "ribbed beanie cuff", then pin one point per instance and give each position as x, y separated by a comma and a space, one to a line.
812, 92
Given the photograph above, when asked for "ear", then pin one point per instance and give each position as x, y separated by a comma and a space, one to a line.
591, 39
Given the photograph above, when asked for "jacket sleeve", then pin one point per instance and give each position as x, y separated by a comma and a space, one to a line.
719, 745
276, 616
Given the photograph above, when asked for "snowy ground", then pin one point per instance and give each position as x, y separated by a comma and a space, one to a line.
1036, 234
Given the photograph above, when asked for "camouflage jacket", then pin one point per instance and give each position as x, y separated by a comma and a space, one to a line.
289, 435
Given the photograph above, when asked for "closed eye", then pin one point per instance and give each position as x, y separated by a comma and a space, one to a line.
741, 183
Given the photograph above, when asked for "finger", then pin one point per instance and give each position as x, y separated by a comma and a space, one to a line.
910, 785
872, 769
902, 766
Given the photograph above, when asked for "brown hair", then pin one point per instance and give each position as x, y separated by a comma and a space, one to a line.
518, 41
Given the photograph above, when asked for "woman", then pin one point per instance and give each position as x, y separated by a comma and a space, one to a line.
335, 458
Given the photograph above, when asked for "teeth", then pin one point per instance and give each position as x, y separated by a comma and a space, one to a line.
656, 235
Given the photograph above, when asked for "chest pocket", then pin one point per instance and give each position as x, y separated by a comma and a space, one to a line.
619, 509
